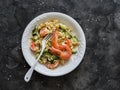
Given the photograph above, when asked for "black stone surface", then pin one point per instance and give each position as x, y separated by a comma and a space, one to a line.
100, 68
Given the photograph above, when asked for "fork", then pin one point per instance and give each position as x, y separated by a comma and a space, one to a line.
30, 71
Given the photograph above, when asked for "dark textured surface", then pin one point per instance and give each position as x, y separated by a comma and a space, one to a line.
100, 68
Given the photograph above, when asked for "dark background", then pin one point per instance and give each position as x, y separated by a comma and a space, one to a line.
100, 68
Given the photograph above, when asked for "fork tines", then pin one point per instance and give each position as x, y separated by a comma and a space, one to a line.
48, 36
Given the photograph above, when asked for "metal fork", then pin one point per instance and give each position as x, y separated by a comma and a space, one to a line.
30, 71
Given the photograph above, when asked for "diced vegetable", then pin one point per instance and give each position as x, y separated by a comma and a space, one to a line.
49, 43
62, 26
34, 32
74, 51
43, 60
46, 51
68, 35
60, 30
75, 39
54, 57
65, 33
47, 54
37, 42
35, 37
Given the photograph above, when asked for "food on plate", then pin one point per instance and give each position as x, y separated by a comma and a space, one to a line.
59, 48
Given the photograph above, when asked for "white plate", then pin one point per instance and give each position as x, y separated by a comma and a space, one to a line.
74, 60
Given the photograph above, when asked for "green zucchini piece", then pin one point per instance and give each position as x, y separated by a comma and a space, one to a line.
49, 43
35, 37
47, 54
35, 32
74, 39
46, 51
54, 57
62, 26
68, 35
74, 51
61, 30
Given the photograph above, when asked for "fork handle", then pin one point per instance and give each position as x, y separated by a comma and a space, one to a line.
30, 71
28, 74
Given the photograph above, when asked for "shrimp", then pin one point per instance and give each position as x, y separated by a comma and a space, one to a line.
43, 32
55, 51
64, 51
52, 65
55, 39
65, 54
33, 46
67, 42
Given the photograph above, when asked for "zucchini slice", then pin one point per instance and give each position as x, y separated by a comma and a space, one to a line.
74, 51
62, 26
